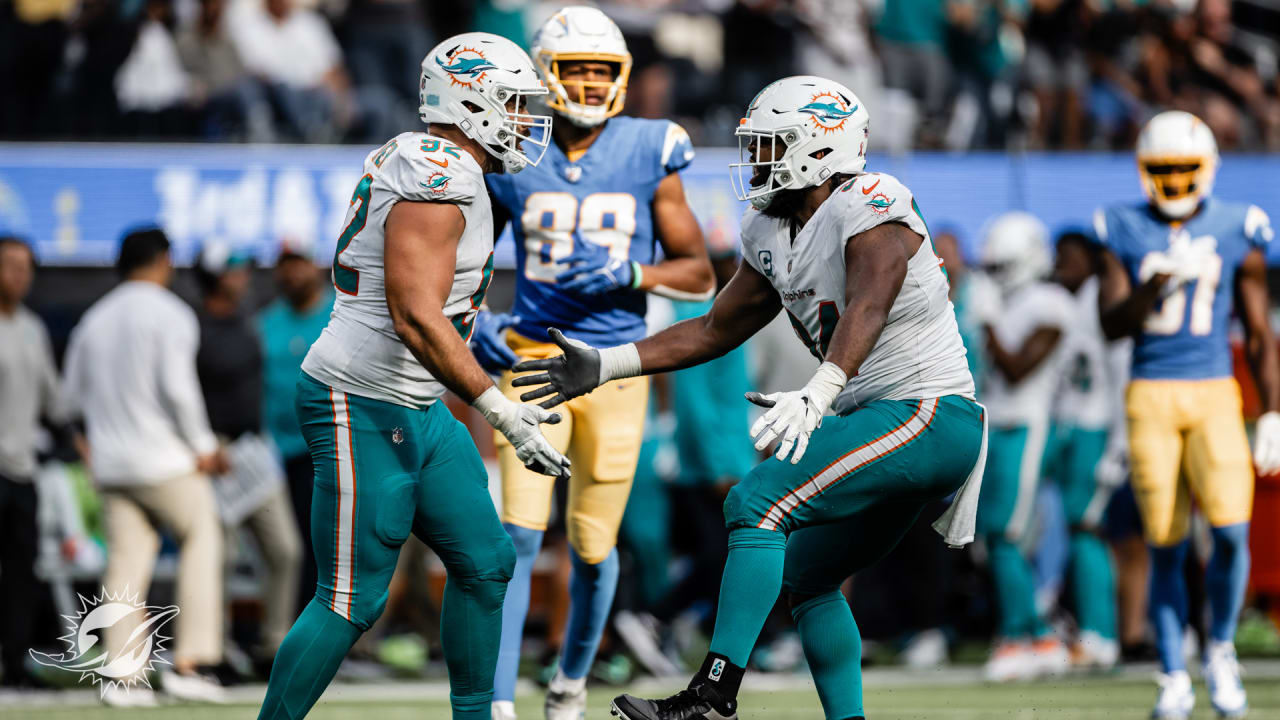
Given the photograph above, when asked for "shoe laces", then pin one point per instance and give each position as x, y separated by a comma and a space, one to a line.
684, 704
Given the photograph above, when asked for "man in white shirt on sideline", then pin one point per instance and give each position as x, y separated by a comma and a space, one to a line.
130, 372
28, 392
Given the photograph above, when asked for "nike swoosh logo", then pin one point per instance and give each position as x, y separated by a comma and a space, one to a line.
445, 163
865, 191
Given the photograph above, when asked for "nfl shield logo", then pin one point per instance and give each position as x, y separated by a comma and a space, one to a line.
397, 436
573, 173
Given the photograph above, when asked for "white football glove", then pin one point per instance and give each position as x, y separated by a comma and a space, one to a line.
1266, 443
1112, 469
795, 414
520, 424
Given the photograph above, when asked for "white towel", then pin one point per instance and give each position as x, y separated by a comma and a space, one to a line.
959, 523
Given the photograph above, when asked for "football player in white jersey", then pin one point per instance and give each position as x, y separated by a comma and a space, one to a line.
411, 268
847, 255
1024, 338
1087, 448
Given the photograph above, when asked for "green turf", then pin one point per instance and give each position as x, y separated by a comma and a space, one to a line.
1106, 699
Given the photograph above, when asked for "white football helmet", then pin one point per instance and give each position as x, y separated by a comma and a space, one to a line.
1015, 251
482, 84
797, 118
1177, 160
582, 33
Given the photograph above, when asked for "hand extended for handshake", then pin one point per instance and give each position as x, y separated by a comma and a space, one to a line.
791, 416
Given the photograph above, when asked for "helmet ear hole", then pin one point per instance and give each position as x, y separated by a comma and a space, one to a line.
472, 106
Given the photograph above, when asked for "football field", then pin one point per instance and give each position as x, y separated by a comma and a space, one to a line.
949, 695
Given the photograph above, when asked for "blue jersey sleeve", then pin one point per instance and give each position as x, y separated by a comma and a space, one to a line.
677, 149
1257, 227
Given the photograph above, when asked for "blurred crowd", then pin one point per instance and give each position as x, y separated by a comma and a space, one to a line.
934, 73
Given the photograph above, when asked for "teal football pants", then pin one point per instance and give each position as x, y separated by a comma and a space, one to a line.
1005, 511
805, 528
1072, 460
381, 472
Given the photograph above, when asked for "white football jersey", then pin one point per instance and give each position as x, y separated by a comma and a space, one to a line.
919, 354
1033, 306
359, 351
1093, 377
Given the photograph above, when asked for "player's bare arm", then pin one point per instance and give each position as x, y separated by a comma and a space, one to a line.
421, 250
741, 309
875, 266
685, 273
1122, 310
1253, 304
421, 253
1017, 363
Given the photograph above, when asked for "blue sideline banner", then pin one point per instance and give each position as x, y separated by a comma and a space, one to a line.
74, 201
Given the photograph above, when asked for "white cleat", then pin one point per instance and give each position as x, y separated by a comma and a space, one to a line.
1049, 657
129, 697
926, 650
502, 710
1094, 652
1175, 699
1009, 661
192, 688
639, 631
1222, 675
566, 698
566, 705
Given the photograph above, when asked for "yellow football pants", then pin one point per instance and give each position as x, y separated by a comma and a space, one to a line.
1187, 437
601, 433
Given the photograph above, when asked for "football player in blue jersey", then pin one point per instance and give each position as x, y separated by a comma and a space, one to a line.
1176, 267
587, 224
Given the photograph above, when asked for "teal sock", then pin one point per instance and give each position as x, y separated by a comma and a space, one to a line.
1094, 584
833, 648
306, 662
470, 631
750, 586
1014, 590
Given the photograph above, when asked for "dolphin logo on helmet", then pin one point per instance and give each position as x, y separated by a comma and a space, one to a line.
827, 111
467, 66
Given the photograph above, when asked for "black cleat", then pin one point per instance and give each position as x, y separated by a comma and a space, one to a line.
699, 702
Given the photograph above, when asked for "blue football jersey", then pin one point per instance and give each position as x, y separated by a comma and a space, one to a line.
606, 198
1185, 337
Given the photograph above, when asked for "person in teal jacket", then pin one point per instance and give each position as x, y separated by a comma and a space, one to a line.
288, 326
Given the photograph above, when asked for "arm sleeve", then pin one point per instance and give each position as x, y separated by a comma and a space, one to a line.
756, 260
432, 170
677, 149
177, 344
1257, 227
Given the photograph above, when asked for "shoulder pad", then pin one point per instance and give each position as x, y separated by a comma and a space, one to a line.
429, 169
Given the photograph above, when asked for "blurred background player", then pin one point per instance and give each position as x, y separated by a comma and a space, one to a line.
29, 393
252, 494
130, 372
287, 328
1085, 453
1024, 337
390, 459
587, 223
1173, 267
